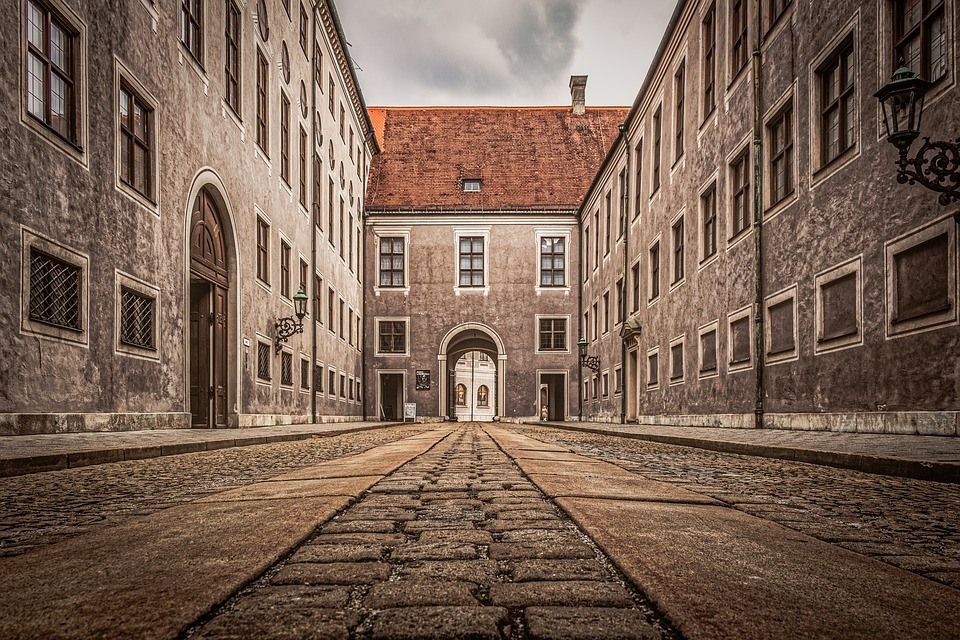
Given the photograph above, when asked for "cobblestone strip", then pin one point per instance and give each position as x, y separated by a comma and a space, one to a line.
455, 544
46, 508
911, 524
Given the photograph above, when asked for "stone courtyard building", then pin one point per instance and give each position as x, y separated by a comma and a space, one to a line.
853, 324
174, 172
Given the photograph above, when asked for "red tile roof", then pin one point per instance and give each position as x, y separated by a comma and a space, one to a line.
528, 158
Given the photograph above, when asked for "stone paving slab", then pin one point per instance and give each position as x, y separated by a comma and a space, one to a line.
153, 576
350, 487
21, 455
925, 457
719, 573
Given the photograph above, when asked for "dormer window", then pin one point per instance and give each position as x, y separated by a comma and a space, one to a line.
471, 184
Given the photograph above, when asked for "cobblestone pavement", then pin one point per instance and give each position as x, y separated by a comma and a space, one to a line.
44, 508
912, 524
455, 544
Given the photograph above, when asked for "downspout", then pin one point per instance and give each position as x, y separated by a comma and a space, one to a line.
361, 270
624, 205
313, 216
758, 340
580, 314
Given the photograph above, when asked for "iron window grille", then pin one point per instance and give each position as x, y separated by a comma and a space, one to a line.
471, 262
191, 27
552, 262
263, 360
393, 336
231, 66
553, 334
391, 262
137, 319
286, 369
55, 291
837, 103
50, 70
920, 37
304, 373
781, 155
136, 142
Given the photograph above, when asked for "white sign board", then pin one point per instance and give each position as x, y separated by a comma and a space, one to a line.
410, 411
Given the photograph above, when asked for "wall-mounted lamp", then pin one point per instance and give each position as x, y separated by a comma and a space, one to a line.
590, 362
937, 164
289, 326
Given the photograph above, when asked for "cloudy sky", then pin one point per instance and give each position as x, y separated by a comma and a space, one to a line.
501, 52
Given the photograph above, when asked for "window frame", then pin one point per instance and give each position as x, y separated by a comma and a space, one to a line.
739, 37
679, 97
125, 81
263, 104
744, 313
674, 378
124, 281
654, 258
709, 220
653, 354
678, 251
32, 240
539, 331
186, 15
483, 235
393, 239
262, 251
708, 62
788, 294
563, 235
784, 112
919, 32
740, 189
826, 344
705, 330
842, 59
233, 51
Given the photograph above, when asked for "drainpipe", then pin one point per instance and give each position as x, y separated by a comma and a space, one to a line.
623, 286
579, 316
361, 270
758, 217
313, 215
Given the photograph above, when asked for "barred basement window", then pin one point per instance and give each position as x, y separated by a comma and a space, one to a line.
55, 295
286, 369
137, 319
263, 361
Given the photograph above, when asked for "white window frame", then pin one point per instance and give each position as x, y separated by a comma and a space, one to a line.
550, 233
774, 299
392, 232
471, 232
536, 333
406, 341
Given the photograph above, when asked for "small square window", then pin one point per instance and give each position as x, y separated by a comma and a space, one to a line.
286, 369
471, 184
676, 362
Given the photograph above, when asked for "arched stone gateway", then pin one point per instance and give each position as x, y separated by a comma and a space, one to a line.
480, 378
210, 300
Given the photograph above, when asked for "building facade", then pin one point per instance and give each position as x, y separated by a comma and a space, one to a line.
472, 249
192, 166
748, 255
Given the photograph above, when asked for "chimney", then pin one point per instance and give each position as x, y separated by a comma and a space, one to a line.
578, 88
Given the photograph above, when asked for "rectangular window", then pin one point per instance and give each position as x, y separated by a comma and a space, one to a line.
740, 199
657, 133
708, 211
318, 78
781, 338
837, 103
606, 312
318, 299
350, 386
137, 319
304, 30
676, 362
343, 123
679, 91
776, 9
136, 142
286, 369
350, 242
617, 381
331, 222
586, 251
262, 79
471, 262
285, 138
653, 369
605, 384
638, 180
708, 351
231, 64
318, 190
740, 347
318, 378
621, 308
303, 166
331, 94
343, 385
710, 61
920, 37
342, 319
331, 306
286, 6
780, 131
655, 271
263, 251
553, 334
51, 70
304, 270
922, 276
623, 190
332, 383
304, 374
553, 262
739, 44
284, 269
635, 278
342, 229
191, 27
391, 262
263, 361
55, 291
596, 240
678, 251
350, 327
608, 221
838, 299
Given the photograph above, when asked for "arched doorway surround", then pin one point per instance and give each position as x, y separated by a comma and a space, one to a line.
211, 306
462, 339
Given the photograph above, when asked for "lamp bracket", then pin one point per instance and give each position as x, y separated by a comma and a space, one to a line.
591, 362
286, 328
936, 166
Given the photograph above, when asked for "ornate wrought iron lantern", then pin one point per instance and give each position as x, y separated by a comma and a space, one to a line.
290, 326
590, 362
937, 164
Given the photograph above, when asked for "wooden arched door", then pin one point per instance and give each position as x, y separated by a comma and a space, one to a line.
209, 284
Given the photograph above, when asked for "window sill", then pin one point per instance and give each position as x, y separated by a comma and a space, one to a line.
833, 166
